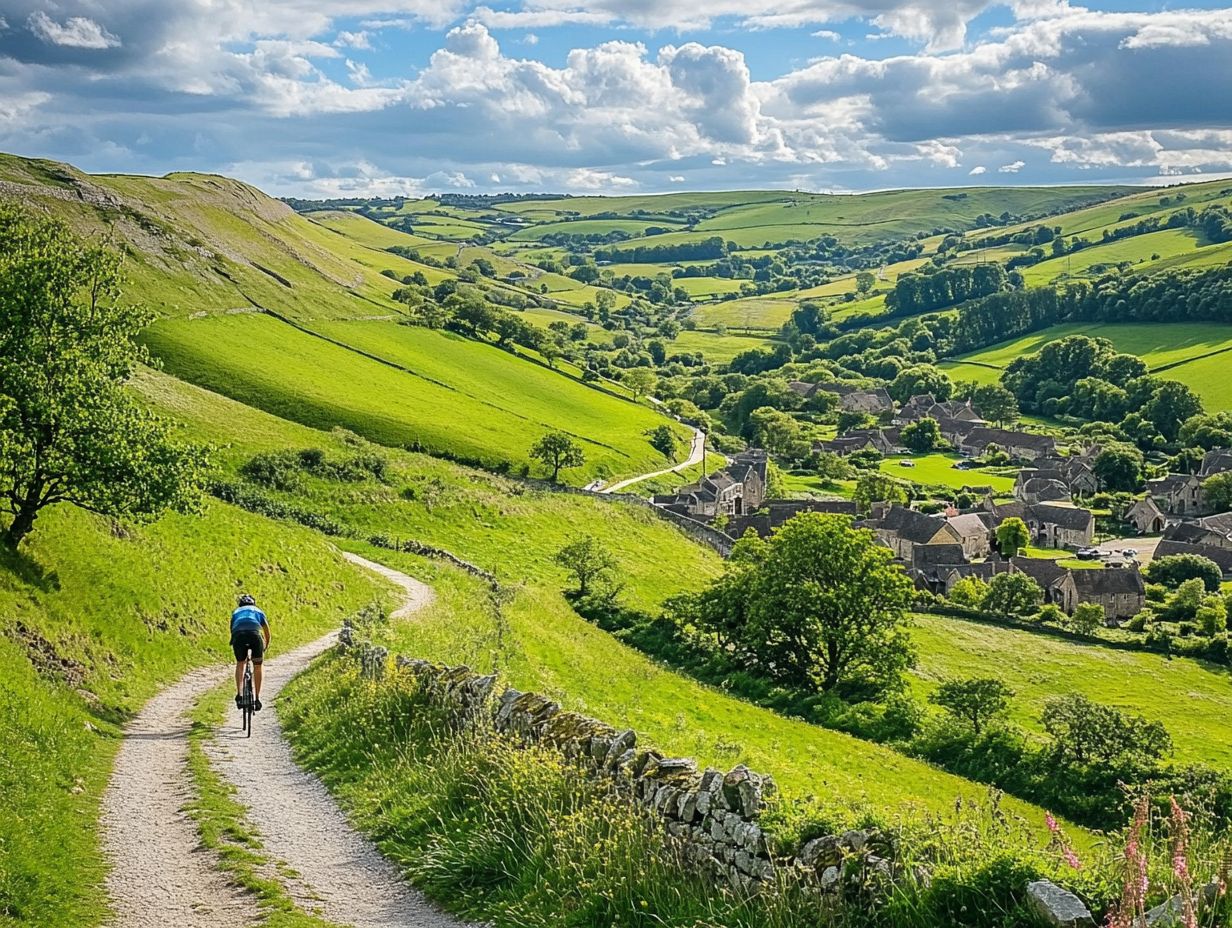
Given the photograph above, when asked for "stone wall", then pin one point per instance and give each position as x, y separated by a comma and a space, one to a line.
713, 815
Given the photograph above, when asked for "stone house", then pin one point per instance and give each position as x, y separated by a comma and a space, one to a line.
1147, 517
1177, 494
974, 533
902, 529
851, 398
1052, 525
736, 489
883, 441
1072, 472
1216, 461
1023, 446
931, 563
1119, 590
1040, 489
773, 513
924, 406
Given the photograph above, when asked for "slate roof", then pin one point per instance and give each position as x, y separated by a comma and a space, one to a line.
1221, 556
1042, 570
983, 436
1163, 486
1070, 517
969, 525
937, 555
1108, 581
910, 524
1220, 523
1046, 488
1217, 461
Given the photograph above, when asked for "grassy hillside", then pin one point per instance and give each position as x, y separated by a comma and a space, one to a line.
1191, 698
437, 391
537, 638
94, 618
1191, 352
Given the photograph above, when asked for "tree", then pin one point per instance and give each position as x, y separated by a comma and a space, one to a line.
1012, 594
587, 561
1174, 569
1119, 468
923, 378
865, 282
828, 607
663, 440
922, 435
641, 381
969, 591
977, 701
1084, 732
995, 403
851, 419
69, 431
1012, 536
558, 451
773, 430
1087, 618
1172, 404
1212, 616
1217, 491
876, 487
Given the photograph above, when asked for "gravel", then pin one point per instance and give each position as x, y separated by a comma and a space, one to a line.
159, 873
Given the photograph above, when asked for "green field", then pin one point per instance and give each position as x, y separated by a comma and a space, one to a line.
1180, 245
707, 286
938, 470
1191, 352
463, 398
765, 313
1038, 666
717, 349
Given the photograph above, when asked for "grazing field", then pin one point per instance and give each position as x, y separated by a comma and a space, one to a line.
717, 349
707, 286
463, 398
938, 470
634, 227
1177, 351
1038, 666
765, 313
1141, 251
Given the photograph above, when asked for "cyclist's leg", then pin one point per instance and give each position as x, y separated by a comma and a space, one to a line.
258, 659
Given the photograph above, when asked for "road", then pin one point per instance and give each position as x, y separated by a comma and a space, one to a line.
160, 875
695, 457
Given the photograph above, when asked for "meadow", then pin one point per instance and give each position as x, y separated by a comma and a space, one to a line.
763, 313
717, 349
938, 470
1191, 698
447, 394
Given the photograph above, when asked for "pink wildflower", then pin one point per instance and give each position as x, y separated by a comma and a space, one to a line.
1071, 858
1051, 823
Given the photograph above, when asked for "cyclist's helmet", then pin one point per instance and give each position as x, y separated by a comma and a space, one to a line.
247, 600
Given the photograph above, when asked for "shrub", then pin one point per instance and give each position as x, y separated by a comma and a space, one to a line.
1087, 618
1139, 622
1175, 569
278, 470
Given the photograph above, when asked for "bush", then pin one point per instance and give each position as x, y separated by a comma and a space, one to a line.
1139, 622
278, 470
1175, 569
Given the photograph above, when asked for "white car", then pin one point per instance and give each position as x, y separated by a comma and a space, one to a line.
906, 463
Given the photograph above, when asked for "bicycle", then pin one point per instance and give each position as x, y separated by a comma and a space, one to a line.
249, 698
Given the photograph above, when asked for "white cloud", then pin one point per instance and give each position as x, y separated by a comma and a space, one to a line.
530, 39
359, 73
1012, 168
356, 40
75, 32
977, 170
828, 34
676, 179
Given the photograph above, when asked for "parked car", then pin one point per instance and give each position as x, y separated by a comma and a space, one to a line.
906, 463
1089, 554
1129, 553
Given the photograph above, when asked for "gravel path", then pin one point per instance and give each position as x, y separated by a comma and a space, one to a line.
160, 877
159, 874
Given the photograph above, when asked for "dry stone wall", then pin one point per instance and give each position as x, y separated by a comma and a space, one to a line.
713, 815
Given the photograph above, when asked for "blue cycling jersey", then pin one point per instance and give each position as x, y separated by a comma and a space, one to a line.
247, 618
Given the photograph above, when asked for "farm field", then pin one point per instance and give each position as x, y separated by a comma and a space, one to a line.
717, 349
1037, 666
707, 286
466, 399
938, 470
1173, 350
635, 227
1139, 251
765, 313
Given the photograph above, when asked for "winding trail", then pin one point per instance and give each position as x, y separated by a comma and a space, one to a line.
696, 451
159, 873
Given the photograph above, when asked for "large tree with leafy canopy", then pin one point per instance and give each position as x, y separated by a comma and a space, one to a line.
69, 430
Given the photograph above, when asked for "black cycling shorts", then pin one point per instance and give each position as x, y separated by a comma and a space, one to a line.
245, 639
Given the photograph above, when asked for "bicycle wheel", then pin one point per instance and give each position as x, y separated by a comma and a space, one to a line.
249, 699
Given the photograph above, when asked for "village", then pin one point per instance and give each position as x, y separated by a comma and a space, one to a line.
938, 550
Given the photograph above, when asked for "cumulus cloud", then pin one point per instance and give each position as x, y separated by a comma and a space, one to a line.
1062, 90
75, 32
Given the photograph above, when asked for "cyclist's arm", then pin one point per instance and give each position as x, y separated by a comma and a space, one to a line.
265, 630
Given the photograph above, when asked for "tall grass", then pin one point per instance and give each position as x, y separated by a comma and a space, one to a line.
518, 836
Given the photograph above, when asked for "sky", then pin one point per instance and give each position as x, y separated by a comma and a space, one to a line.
338, 98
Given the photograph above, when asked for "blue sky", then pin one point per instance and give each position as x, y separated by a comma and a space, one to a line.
377, 97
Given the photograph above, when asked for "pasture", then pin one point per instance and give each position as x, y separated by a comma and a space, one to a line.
937, 469
452, 395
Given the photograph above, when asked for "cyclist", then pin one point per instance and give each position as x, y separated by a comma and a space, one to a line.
249, 632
